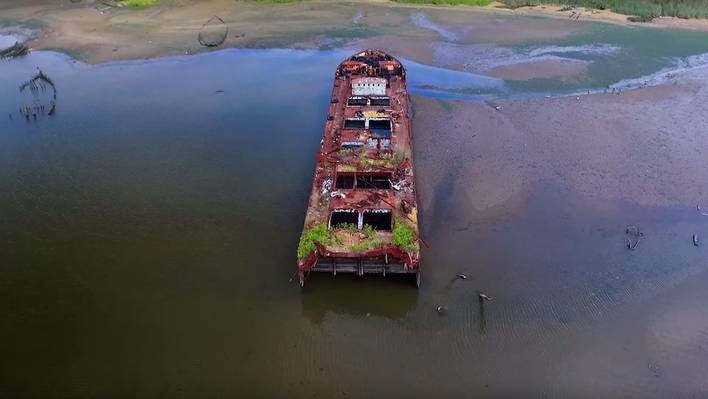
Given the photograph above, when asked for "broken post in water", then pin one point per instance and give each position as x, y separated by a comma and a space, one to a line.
362, 215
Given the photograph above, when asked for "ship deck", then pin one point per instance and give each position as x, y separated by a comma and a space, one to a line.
362, 210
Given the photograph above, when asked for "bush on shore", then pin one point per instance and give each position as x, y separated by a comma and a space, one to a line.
643, 8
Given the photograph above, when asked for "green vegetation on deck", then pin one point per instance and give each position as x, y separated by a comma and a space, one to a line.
318, 233
404, 237
370, 241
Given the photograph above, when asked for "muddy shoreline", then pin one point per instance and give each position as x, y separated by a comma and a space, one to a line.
95, 33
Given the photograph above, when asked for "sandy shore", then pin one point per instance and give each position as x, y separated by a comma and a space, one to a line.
544, 69
607, 16
96, 33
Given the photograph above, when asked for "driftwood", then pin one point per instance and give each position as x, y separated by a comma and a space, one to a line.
40, 83
213, 32
640, 19
16, 50
633, 232
111, 3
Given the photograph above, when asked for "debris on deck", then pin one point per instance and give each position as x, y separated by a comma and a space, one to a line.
362, 215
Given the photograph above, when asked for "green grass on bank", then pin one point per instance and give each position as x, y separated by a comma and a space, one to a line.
450, 2
140, 3
645, 8
274, 1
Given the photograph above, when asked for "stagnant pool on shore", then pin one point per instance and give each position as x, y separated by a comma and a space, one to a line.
149, 231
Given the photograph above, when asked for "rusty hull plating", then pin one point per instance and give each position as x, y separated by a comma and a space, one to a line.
363, 192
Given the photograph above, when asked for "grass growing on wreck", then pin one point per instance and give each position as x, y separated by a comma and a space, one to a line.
405, 238
318, 233
371, 241
370, 163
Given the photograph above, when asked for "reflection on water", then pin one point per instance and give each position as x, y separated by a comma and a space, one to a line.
149, 233
437, 82
391, 298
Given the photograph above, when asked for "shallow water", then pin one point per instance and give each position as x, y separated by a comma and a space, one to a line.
6, 41
620, 56
149, 234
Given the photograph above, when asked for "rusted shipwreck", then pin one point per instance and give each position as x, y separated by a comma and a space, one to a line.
362, 216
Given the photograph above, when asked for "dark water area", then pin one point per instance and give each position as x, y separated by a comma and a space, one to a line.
148, 241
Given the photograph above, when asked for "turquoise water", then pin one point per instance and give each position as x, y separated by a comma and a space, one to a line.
639, 52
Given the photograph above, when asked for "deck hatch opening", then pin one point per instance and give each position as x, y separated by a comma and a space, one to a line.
380, 128
355, 123
352, 145
379, 219
380, 101
345, 181
342, 217
377, 181
358, 101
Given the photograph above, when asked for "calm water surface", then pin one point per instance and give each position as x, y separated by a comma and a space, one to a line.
149, 231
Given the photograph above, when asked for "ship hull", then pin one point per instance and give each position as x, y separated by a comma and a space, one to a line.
362, 211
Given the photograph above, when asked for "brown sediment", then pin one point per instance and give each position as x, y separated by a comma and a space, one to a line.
363, 190
565, 69
637, 147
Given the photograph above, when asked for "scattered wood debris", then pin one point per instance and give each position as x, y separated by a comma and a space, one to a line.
640, 19
213, 32
40, 88
16, 50
633, 236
